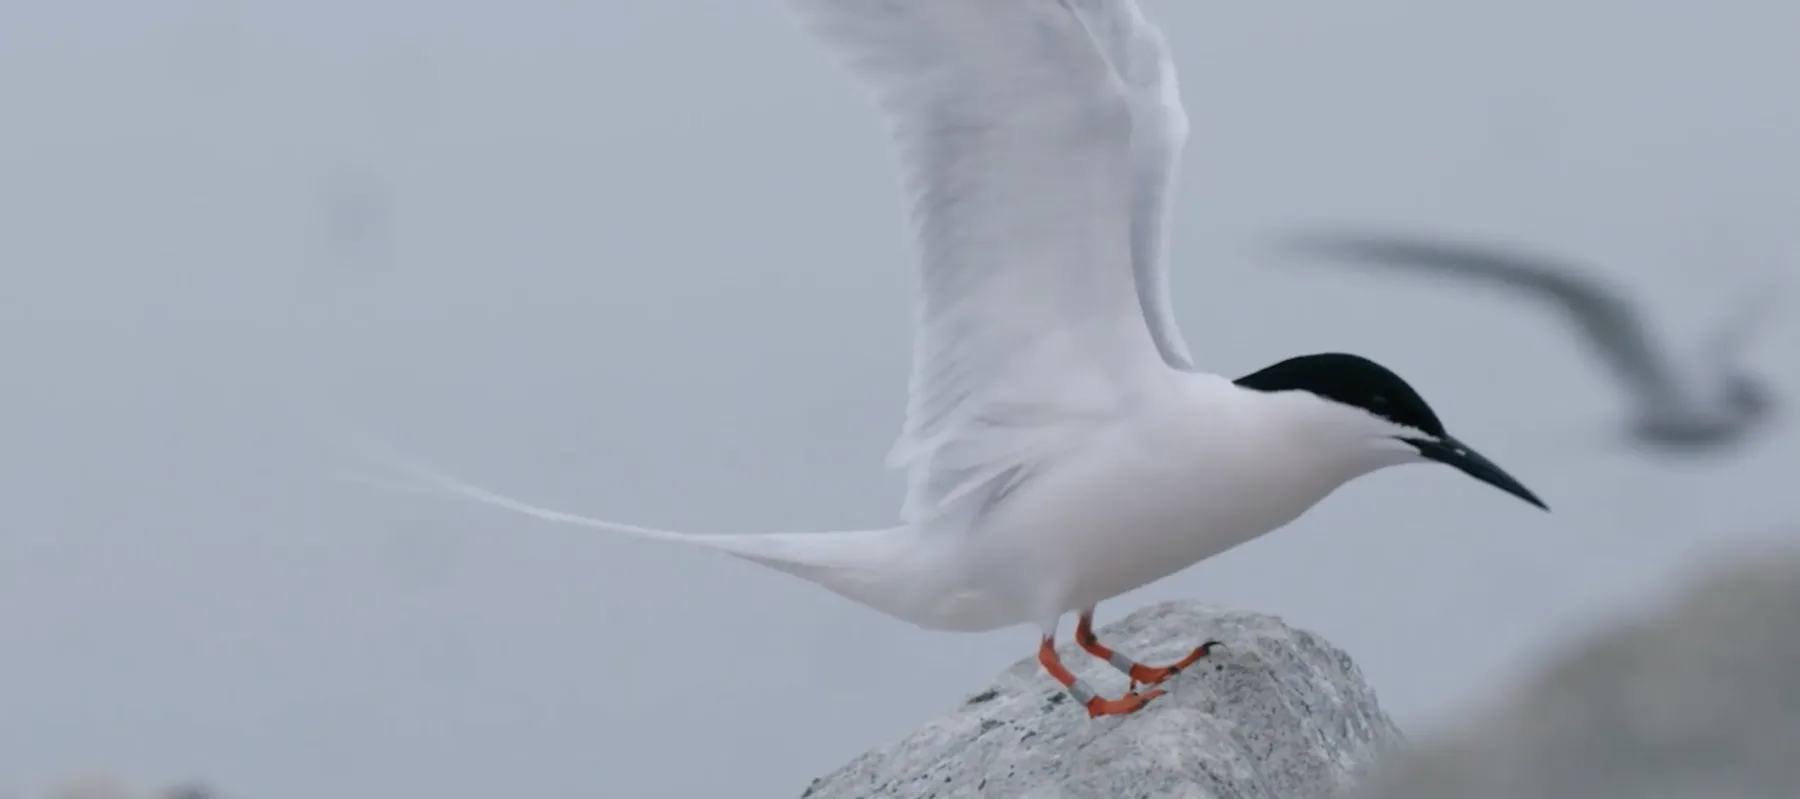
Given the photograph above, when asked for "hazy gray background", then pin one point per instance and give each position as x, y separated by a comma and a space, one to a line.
646, 260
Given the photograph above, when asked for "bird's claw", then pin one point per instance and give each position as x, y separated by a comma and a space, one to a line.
1129, 703
1153, 675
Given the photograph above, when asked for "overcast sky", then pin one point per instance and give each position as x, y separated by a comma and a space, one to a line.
646, 261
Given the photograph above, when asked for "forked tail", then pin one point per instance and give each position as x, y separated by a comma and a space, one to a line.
886, 568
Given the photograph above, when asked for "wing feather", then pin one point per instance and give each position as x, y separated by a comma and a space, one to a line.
1140, 57
1014, 139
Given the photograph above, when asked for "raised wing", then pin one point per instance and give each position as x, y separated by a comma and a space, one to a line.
1014, 137
1140, 57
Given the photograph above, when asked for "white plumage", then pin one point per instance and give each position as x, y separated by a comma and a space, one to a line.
1058, 446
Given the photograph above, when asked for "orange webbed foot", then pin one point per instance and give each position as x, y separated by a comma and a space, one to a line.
1129, 703
1153, 675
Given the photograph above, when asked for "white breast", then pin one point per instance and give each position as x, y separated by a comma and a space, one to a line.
1207, 468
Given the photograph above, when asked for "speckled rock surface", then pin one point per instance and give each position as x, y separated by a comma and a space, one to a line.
1277, 713
1698, 699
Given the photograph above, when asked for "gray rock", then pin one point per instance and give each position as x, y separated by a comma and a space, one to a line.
102, 786
1699, 699
1276, 713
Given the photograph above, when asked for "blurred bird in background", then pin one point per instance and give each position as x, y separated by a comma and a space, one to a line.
1699, 399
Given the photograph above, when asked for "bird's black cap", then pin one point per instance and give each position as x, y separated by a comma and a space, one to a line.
1361, 383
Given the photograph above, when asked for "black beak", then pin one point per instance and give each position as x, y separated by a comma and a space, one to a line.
1451, 452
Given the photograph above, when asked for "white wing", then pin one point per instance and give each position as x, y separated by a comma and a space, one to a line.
1014, 136
1140, 57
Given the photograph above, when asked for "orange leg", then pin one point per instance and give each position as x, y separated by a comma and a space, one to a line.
1138, 672
1096, 706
